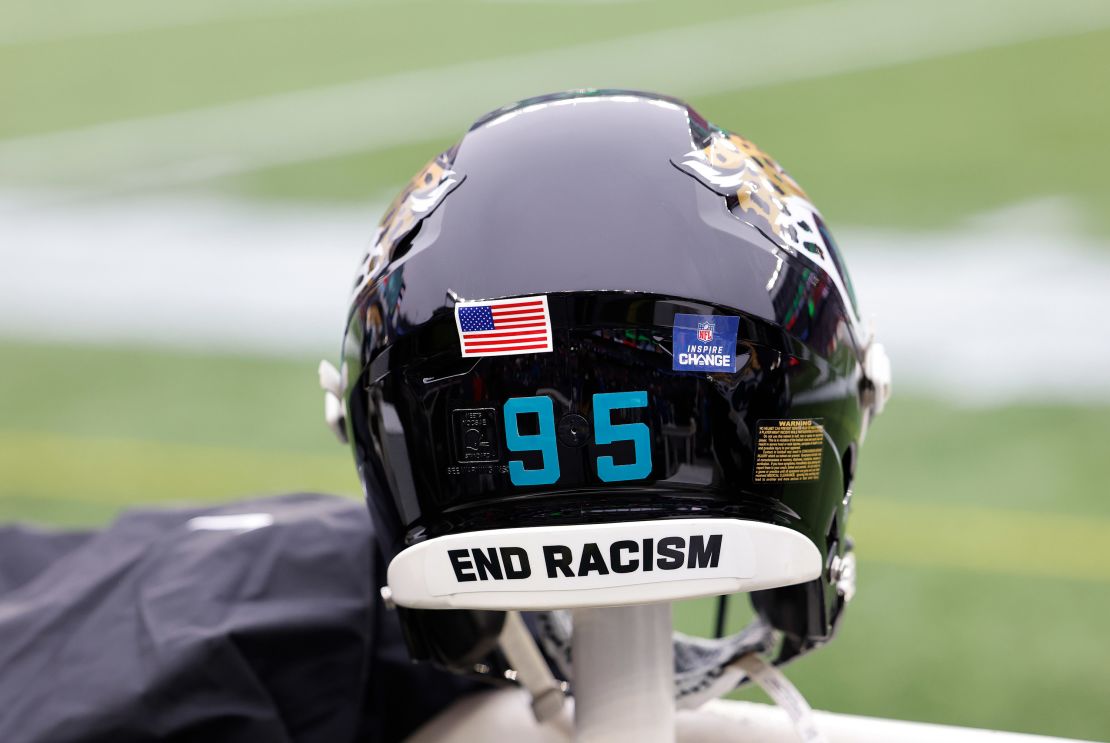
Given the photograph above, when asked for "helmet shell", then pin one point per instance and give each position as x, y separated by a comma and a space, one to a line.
625, 210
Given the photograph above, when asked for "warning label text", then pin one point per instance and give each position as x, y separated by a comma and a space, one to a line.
789, 450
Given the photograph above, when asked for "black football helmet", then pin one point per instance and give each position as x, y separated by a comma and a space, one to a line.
599, 309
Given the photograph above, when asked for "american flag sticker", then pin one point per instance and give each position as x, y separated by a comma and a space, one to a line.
504, 327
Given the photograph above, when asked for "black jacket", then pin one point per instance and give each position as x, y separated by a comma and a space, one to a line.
210, 625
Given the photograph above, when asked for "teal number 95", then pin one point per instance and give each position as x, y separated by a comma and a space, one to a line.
605, 432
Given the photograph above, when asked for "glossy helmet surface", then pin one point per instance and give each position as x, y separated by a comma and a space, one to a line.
629, 216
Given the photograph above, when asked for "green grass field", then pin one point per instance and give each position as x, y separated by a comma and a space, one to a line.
983, 533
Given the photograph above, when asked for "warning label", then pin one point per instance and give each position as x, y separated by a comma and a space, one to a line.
789, 450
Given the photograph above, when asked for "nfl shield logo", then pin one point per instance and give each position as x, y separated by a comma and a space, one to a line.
705, 331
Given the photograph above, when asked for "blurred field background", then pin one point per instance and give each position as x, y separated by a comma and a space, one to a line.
180, 182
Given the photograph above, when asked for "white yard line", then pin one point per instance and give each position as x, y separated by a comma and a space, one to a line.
50, 23
732, 54
999, 310
561, 2
1005, 309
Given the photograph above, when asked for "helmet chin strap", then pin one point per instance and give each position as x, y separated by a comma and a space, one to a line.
783, 693
532, 671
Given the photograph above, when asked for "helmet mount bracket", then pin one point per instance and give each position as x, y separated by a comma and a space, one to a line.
624, 674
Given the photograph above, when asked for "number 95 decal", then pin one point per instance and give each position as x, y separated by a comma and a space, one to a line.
605, 432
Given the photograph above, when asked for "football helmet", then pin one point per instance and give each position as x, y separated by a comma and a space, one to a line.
601, 352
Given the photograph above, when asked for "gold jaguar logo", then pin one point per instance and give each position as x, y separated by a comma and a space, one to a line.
765, 194
420, 196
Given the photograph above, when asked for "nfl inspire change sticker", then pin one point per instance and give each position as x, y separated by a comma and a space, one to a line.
705, 343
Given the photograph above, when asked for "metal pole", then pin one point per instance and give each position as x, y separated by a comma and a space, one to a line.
623, 660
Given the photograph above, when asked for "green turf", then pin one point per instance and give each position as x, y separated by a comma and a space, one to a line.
917, 145
1049, 458
166, 396
923, 144
954, 647
982, 533
86, 431
929, 144
93, 79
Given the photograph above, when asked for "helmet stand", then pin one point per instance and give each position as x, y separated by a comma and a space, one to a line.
623, 659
